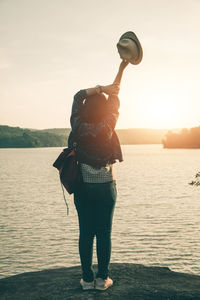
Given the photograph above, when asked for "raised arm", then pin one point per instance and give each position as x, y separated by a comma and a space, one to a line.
108, 124
107, 89
118, 77
111, 89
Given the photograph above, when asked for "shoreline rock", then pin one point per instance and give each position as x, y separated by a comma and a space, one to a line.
131, 281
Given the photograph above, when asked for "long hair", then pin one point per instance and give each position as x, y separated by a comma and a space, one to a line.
94, 108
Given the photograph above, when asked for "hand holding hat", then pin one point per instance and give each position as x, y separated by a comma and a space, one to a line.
124, 63
129, 48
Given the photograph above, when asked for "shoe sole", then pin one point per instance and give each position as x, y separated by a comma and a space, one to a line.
102, 288
85, 288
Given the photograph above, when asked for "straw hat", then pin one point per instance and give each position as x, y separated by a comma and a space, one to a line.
129, 48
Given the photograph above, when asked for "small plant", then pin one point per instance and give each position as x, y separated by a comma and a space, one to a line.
196, 181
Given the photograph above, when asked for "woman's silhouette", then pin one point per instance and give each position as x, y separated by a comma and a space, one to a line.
93, 119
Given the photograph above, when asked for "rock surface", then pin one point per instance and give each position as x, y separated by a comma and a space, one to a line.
131, 281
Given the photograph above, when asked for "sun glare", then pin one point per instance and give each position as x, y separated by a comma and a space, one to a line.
161, 114
159, 108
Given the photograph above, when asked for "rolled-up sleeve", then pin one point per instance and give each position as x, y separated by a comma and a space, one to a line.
77, 107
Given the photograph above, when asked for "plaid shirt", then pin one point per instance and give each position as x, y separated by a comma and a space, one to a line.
92, 175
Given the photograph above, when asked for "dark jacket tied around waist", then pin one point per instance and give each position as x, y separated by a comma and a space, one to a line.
97, 144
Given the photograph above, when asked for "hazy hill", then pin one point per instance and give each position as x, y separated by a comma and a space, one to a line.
57, 131
141, 136
126, 136
16, 137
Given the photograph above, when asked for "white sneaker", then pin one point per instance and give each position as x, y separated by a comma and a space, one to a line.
87, 285
101, 284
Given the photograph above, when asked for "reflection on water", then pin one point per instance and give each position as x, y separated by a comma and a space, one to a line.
156, 220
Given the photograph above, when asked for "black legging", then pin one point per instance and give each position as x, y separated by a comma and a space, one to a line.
95, 204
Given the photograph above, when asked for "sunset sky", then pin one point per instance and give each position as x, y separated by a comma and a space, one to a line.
51, 49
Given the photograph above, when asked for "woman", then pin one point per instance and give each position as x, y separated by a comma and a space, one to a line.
93, 120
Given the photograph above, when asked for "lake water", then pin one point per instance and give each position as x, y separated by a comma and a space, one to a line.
156, 220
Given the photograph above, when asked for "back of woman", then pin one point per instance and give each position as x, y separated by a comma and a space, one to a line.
93, 122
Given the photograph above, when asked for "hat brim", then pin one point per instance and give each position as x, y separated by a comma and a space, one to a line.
131, 35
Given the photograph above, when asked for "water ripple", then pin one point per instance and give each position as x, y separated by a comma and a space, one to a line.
156, 220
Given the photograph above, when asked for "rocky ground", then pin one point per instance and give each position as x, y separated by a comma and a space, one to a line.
131, 281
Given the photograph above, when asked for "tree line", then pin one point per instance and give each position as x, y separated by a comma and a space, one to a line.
186, 138
16, 137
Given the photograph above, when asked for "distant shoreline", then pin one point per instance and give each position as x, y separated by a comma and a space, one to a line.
16, 137
65, 146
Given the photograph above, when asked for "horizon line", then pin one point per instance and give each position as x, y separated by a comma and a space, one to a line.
129, 128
